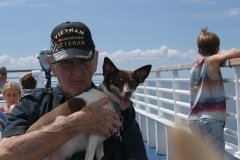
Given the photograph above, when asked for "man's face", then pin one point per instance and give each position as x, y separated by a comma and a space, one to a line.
74, 75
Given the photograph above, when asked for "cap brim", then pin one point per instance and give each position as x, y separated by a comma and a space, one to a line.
72, 53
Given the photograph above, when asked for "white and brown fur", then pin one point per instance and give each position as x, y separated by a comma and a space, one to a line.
119, 85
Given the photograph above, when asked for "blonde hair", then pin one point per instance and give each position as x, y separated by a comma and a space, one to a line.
11, 85
208, 42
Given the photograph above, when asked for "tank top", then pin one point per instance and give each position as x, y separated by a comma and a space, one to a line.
207, 96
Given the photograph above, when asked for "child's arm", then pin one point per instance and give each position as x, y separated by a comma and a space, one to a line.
215, 60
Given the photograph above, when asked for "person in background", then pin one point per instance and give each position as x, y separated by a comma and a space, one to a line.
3, 77
32, 80
207, 115
73, 60
27, 81
11, 94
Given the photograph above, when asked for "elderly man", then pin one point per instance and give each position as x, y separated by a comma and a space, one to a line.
73, 61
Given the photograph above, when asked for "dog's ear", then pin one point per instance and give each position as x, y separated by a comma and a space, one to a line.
108, 67
142, 73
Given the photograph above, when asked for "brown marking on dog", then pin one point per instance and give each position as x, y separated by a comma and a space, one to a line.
64, 109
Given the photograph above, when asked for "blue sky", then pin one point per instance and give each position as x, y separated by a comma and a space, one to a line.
130, 32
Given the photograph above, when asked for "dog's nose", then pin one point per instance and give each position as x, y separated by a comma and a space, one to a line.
128, 94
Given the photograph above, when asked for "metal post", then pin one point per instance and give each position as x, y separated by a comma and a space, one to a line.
237, 89
175, 96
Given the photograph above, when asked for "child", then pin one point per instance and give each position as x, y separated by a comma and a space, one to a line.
207, 97
33, 79
11, 94
28, 81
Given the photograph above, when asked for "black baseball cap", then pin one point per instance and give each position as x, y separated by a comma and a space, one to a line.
71, 40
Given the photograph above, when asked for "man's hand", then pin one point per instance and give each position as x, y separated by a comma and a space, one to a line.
97, 120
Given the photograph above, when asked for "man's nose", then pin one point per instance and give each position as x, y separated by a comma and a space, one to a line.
77, 67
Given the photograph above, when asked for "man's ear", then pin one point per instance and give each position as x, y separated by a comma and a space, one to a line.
48, 59
95, 59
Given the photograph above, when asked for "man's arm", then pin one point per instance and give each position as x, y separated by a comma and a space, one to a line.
34, 145
37, 144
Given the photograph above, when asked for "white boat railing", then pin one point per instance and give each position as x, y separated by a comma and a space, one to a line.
163, 102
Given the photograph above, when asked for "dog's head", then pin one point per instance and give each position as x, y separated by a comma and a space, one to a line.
122, 83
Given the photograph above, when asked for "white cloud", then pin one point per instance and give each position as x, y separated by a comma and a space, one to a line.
20, 62
161, 54
31, 3
232, 12
3, 4
226, 13
201, 1
150, 54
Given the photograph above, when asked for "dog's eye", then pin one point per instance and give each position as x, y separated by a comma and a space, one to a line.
133, 82
117, 81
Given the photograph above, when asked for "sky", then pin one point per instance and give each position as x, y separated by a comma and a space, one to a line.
132, 33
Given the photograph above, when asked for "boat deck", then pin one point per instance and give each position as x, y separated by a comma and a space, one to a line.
152, 155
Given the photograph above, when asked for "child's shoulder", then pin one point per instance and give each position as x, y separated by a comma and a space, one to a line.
199, 61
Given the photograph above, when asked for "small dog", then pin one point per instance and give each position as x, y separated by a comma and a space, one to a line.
119, 85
